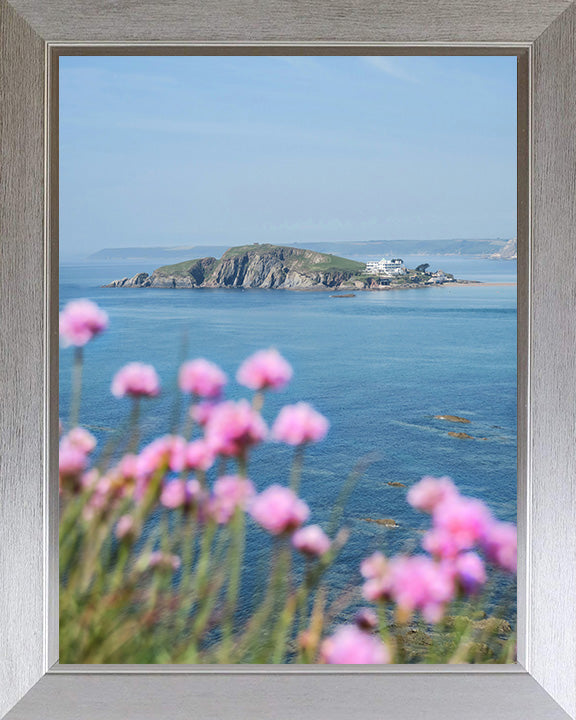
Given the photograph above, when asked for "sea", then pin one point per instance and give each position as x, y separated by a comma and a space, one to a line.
380, 365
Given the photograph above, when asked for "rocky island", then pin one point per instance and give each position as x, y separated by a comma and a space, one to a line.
275, 267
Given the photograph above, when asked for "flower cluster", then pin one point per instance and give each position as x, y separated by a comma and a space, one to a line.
197, 481
80, 321
74, 452
427, 583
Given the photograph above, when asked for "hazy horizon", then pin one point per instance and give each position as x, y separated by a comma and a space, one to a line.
176, 152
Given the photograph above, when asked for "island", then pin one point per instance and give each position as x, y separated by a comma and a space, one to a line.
276, 267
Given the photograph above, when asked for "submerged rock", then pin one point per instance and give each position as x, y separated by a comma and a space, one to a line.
452, 418
385, 522
461, 435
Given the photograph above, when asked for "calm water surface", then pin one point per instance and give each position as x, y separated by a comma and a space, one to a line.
379, 365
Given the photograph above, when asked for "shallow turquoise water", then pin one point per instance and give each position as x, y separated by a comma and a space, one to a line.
379, 365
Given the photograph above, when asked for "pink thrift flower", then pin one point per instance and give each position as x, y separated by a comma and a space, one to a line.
373, 566
426, 494
500, 543
366, 619
470, 572
376, 571
233, 427
177, 447
466, 520
167, 452
229, 493
173, 494
128, 467
80, 321
351, 646
299, 424
155, 457
311, 540
136, 380
201, 412
201, 378
82, 439
279, 510
419, 583
199, 455
72, 460
265, 370
441, 544
125, 527
180, 494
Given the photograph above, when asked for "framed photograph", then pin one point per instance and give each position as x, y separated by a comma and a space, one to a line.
287, 310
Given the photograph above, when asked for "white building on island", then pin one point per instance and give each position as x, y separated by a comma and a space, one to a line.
386, 267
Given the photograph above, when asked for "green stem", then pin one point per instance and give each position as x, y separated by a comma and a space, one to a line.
297, 464
76, 387
134, 426
234, 563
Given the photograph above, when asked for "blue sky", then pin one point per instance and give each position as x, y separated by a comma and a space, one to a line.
166, 151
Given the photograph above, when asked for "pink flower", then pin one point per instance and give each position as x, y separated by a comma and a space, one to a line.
229, 493
82, 439
128, 467
73, 455
299, 424
125, 527
376, 571
136, 380
167, 452
351, 646
72, 460
181, 494
373, 566
430, 491
155, 457
233, 427
173, 494
419, 583
500, 544
366, 619
80, 321
199, 455
470, 572
201, 378
177, 448
279, 510
201, 412
441, 543
265, 370
466, 520
311, 540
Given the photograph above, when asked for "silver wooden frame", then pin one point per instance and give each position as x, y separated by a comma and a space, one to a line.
543, 684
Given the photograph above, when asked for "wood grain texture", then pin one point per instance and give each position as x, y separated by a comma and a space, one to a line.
297, 21
217, 697
21, 356
552, 626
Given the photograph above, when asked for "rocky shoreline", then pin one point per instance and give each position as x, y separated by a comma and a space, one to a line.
273, 267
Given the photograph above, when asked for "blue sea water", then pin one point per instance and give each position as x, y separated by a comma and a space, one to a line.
379, 365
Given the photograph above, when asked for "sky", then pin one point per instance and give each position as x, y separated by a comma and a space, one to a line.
171, 151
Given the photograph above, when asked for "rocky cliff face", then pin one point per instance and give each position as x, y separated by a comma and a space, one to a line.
508, 252
255, 266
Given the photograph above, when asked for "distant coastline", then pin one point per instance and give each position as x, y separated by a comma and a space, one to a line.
495, 249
